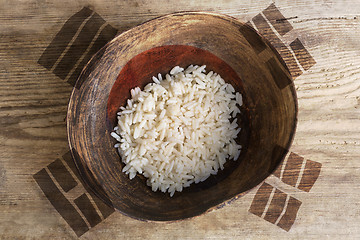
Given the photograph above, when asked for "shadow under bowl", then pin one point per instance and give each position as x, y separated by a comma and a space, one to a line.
226, 46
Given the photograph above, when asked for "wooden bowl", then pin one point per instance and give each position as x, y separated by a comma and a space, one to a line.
226, 46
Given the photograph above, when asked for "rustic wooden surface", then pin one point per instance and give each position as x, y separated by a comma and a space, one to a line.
33, 132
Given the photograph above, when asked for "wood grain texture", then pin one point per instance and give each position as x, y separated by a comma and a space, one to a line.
34, 103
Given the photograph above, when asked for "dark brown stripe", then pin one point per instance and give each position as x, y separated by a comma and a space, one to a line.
252, 37
277, 172
310, 175
302, 55
62, 38
285, 53
276, 206
107, 34
288, 219
278, 20
86, 207
260, 200
62, 176
70, 162
89, 68
105, 209
280, 77
278, 152
79, 46
61, 204
292, 169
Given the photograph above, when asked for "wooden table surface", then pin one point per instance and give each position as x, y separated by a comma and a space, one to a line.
313, 195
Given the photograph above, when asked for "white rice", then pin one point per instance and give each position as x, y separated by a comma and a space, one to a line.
177, 131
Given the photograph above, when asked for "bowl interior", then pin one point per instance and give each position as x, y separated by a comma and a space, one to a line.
226, 46
162, 60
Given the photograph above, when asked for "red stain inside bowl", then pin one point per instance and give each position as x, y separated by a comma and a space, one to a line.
139, 71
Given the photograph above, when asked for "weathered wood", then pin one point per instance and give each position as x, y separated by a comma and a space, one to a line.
33, 131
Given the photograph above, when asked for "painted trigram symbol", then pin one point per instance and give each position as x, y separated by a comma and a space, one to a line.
84, 211
79, 39
273, 25
278, 207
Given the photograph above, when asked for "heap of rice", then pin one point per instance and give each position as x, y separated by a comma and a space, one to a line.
177, 131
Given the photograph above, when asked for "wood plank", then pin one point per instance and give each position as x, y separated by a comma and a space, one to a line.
33, 105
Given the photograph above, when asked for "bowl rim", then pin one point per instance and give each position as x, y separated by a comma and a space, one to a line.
180, 13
